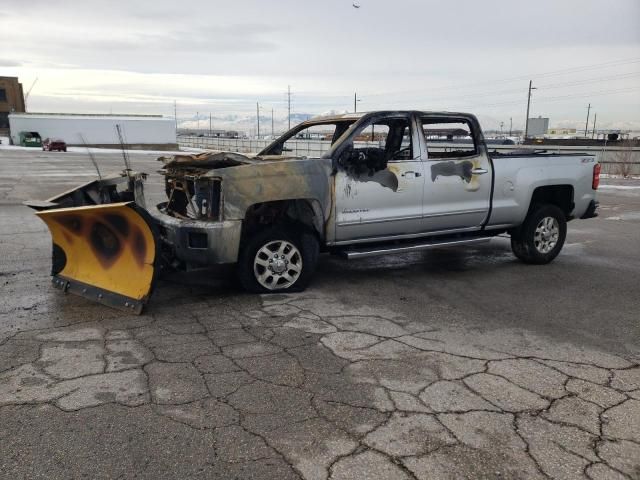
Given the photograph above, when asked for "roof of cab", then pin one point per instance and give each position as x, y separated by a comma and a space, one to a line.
356, 116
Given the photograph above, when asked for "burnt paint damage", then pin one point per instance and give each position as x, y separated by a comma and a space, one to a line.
217, 197
108, 235
385, 178
463, 169
247, 181
205, 160
369, 166
267, 181
371, 163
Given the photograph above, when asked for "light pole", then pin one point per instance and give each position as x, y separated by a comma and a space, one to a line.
510, 125
526, 124
175, 114
355, 102
586, 125
258, 117
289, 105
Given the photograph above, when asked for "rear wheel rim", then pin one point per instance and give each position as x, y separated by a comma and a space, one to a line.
277, 265
546, 235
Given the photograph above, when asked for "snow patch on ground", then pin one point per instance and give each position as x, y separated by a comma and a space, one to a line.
4, 145
611, 175
619, 187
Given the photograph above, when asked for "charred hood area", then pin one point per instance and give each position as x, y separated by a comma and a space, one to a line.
192, 192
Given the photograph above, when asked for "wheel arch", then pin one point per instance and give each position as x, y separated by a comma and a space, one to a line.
562, 196
306, 212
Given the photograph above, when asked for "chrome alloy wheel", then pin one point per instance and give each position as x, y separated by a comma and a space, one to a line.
545, 237
278, 264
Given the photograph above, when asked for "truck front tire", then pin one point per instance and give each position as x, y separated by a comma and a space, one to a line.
541, 237
278, 259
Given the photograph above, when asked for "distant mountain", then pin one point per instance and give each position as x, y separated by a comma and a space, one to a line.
243, 123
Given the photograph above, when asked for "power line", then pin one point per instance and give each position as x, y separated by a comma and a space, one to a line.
560, 97
519, 78
591, 80
518, 91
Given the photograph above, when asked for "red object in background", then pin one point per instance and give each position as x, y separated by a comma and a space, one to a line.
51, 145
596, 176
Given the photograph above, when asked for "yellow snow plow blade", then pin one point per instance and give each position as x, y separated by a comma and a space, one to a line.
104, 252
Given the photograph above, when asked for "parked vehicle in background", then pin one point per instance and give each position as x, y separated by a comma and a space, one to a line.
52, 145
388, 184
30, 139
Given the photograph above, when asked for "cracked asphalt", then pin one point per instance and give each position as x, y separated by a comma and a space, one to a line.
449, 364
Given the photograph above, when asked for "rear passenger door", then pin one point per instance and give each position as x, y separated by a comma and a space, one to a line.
458, 171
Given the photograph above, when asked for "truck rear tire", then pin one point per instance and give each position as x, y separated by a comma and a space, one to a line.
278, 260
541, 237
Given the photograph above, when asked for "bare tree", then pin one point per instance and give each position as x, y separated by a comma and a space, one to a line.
625, 158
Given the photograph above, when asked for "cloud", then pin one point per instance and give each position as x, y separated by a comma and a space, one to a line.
225, 56
149, 49
9, 63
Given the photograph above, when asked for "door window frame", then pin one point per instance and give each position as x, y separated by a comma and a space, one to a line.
449, 119
357, 128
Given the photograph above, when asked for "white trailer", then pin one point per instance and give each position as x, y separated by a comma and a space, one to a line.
140, 131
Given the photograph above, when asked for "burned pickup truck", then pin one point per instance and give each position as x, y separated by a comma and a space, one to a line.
375, 183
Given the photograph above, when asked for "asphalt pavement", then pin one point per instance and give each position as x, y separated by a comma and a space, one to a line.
448, 364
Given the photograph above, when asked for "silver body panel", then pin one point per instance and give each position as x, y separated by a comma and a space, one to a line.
516, 178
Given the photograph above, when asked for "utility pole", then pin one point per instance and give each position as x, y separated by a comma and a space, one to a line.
289, 105
593, 133
526, 123
501, 125
271, 122
510, 125
175, 114
355, 102
210, 125
258, 117
586, 126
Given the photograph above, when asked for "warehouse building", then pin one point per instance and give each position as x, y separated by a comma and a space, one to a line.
151, 132
11, 100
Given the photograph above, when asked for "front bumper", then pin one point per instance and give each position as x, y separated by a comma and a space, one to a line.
199, 243
591, 210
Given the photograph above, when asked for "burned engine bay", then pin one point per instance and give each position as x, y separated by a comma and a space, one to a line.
192, 191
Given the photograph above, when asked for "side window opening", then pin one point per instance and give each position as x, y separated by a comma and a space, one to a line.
311, 140
448, 138
375, 144
321, 134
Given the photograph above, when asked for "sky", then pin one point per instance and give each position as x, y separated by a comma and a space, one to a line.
221, 58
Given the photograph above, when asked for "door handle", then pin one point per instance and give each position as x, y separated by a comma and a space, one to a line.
411, 174
479, 171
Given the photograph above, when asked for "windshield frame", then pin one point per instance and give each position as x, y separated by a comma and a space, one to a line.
342, 125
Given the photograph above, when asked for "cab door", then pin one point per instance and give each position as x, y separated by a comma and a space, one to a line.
458, 171
379, 184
